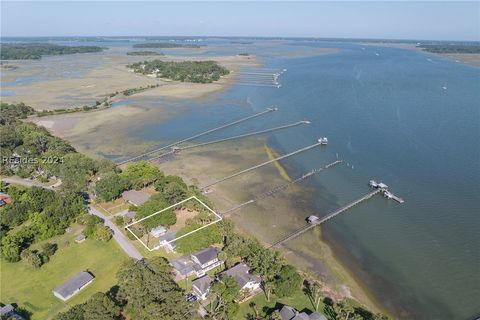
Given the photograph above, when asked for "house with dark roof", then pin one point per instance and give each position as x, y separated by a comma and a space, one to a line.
8, 312
137, 198
201, 286
289, 313
205, 260
248, 282
73, 285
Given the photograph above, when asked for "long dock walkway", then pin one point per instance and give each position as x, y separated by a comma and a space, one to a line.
268, 110
304, 229
262, 164
281, 187
245, 135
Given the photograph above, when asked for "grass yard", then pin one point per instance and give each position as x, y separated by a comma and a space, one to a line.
32, 289
299, 300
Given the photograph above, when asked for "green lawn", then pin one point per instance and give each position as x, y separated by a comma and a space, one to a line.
32, 289
298, 300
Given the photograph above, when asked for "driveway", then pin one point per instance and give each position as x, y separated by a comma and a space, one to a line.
121, 239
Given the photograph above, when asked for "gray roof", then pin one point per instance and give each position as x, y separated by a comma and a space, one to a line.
202, 284
241, 273
135, 197
169, 236
287, 313
206, 255
183, 265
73, 284
317, 316
81, 236
5, 310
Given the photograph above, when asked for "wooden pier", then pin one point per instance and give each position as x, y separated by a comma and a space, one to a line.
312, 225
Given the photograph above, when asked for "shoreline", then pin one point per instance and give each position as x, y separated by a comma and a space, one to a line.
469, 59
339, 280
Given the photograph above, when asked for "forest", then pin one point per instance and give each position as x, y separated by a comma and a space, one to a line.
35, 51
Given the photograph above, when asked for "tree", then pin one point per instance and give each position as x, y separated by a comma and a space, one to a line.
11, 246
155, 204
49, 248
74, 313
32, 258
313, 290
140, 174
103, 233
149, 292
287, 281
111, 186
101, 307
226, 292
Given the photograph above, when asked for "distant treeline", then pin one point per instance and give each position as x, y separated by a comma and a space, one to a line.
29, 51
144, 53
185, 71
450, 48
165, 45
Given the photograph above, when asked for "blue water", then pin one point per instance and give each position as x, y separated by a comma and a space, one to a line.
404, 117
401, 116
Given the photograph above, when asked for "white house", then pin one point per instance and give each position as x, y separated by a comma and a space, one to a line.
205, 260
241, 273
201, 286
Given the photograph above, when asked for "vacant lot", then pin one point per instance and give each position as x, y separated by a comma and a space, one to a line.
32, 289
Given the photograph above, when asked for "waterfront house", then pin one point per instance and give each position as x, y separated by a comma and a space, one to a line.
165, 241
201, 286
73, 285
249, 283
289, 313
205, 260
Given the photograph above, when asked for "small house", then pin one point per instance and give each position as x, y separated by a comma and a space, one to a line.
137, 198
201, 286
241, 273
73, 285
165, 241
158, 231
80, 238
205, 260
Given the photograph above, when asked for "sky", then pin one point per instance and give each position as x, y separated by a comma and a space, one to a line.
428, 20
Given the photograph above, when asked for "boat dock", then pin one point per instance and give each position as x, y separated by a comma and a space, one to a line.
320, 142
315, 221
267, 110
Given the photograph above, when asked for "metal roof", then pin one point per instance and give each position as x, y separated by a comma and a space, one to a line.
73, 284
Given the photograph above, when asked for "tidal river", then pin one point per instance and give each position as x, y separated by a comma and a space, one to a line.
400, 116
411, 120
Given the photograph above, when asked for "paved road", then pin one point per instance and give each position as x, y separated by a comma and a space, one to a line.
123, 241
26, 182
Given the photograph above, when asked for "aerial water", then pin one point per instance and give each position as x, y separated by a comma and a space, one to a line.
409, 119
